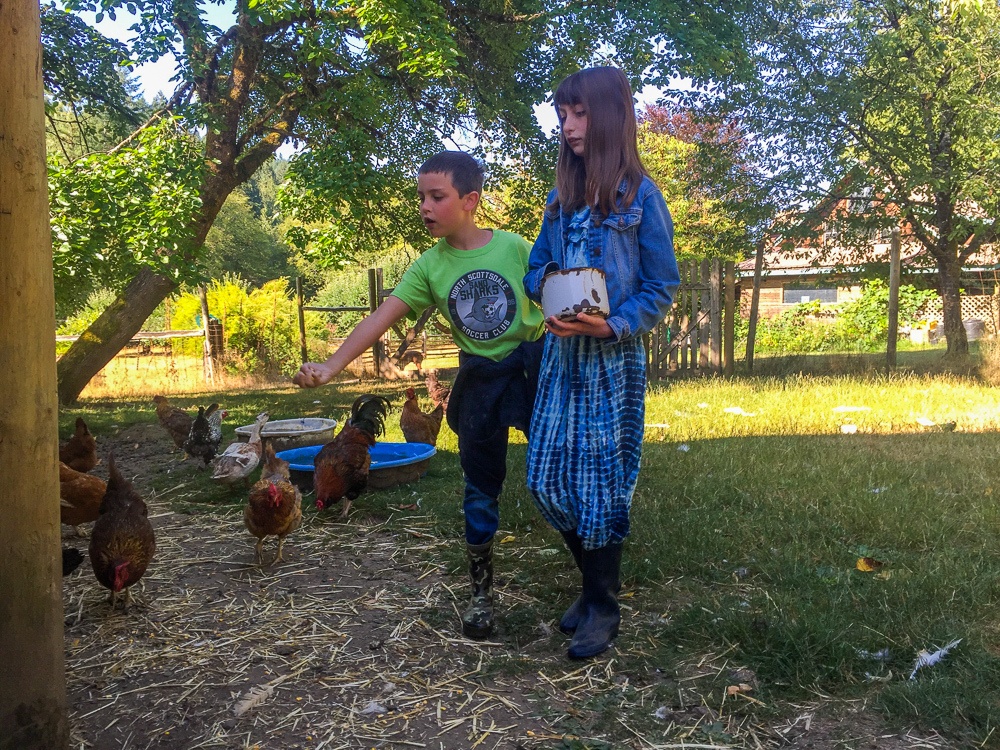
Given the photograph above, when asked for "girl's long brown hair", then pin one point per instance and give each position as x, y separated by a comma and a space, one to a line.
610, 153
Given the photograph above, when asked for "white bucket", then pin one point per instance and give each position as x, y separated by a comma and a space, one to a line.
575, 290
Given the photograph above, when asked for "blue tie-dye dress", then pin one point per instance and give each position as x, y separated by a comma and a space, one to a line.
586, 431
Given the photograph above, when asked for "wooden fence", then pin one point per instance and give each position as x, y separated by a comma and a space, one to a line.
695, 339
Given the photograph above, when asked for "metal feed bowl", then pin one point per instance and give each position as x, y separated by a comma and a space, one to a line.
286, 434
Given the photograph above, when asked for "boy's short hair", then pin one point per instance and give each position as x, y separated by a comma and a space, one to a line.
465, 172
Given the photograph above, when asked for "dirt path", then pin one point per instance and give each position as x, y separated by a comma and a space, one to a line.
351, 643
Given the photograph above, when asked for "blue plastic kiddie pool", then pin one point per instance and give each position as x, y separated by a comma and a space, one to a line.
388, 467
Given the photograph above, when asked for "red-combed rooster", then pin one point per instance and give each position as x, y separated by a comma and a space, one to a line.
122, 542
342, 464
275, 506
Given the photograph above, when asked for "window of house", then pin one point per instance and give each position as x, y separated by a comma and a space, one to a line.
793, 294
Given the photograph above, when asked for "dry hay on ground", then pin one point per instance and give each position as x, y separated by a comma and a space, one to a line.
352, 643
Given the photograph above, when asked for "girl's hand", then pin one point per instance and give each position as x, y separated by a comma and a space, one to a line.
312, 374
583, 325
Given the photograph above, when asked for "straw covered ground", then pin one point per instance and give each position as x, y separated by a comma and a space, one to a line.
352, 642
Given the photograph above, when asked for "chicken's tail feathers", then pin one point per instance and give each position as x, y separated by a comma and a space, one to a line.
274, 466
81, 427
210, 410
113, 473
368, 413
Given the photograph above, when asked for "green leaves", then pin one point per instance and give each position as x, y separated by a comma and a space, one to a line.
417, 29
112, 213
82, 67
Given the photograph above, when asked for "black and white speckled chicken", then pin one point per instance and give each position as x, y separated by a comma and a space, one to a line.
206, 433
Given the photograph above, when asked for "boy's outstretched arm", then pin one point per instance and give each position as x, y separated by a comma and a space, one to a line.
364, 335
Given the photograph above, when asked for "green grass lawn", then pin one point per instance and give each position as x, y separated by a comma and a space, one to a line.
753, 509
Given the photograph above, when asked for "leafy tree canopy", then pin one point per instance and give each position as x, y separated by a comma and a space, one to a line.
701, 167
369, 88
893, 105
117, 211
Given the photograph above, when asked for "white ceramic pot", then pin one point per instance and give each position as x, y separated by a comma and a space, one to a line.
575, 290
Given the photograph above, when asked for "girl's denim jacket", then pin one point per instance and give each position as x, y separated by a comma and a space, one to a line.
634, 247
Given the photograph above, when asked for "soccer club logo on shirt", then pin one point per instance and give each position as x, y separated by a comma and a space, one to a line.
482, 305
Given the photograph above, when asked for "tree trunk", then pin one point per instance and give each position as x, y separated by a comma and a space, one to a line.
110, 332
116, 326
33, 688
949, 272
229, 163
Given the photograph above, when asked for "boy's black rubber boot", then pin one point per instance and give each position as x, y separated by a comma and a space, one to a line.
571, 618
477, 620
601, 617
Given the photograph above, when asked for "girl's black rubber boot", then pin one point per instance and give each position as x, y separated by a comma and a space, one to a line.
571, 618
601, 616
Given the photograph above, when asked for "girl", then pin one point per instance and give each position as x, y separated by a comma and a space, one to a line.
586, 430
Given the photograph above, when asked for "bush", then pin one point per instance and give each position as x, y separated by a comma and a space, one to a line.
260, 326
349, 288
860, 325
867, 318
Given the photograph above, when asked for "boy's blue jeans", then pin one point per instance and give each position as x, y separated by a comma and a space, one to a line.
487, 399
482, 515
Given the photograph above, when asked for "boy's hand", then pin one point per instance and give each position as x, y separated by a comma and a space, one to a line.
583, 325
312, 374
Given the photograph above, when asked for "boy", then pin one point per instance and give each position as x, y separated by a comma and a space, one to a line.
474, 277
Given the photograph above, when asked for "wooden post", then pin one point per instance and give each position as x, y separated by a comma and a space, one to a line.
758, 269
716, 315
894, 273
373, 291
33, 694
209, 365
729, 323
300, 296
701, 317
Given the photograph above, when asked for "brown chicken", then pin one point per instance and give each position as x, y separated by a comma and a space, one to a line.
80, 497
122, 543
438, 392
342, 464
80, 451
176, 422
275, 506
419, 427
206, 434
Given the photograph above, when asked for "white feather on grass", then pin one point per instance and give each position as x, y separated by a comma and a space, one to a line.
929, 659
256, 695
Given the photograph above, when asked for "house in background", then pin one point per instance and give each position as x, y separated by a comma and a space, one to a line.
823, 270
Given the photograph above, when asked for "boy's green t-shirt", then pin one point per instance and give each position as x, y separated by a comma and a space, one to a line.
480, 292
